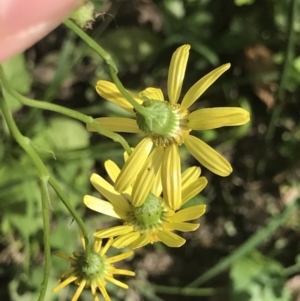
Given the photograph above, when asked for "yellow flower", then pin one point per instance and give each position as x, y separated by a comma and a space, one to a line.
153, 220
93, 269
168, 124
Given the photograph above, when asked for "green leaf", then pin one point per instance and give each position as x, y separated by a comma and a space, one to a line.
65, 237
258, 278
176, 8
12, 179
206, 52
62, 134
297, 63
243, 2
26, 217
74, 178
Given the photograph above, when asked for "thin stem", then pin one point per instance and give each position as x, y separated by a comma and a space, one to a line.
91, 43
25, 143
74, 213
253, 242
46, 225
289, 52
71, 54
108, 17
39, 104
291, 270
188, 291
149, 294
140, 109
288, 57
108, 60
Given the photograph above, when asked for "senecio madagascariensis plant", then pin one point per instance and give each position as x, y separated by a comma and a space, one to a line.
93, 269
168, 124
152, 221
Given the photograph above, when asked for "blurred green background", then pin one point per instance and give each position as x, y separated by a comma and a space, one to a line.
260, 38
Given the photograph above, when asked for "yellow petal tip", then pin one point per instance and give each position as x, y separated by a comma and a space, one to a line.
228, 65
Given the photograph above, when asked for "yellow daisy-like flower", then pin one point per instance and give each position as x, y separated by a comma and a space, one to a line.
168, 124
153, 220
93, 269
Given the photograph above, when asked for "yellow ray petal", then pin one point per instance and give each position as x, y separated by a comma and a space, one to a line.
143, 240
108, 191
112, 169
103, 207
207, 156
183, 227
117, 124
103, 291
110, 92
126, 156
171, 177
94, 291
133, 165
123, 272
119, 257
190, 175
170, 239
106, 246
97, 245
146, 177
202, 85
65, 256
64, 283
113, 232
116, 282
177, 72
157, 186
212, 118
125, 240
188, 214
193, 189
79, 290
152, 93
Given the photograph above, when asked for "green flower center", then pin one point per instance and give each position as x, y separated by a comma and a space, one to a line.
163, 122
148, 217
90, 268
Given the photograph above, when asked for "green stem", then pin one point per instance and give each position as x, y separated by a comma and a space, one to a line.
253, 242
91, 43
109, 17
291, 270
188, 291
108, 60
288, 57
46, 225
289, 52
39, 104
70, 54
74, 213
25, 143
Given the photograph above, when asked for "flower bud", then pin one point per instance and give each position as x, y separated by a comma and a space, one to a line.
84, 16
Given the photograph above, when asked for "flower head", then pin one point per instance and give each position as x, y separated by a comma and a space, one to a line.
93, 269
145, 215
168, 124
